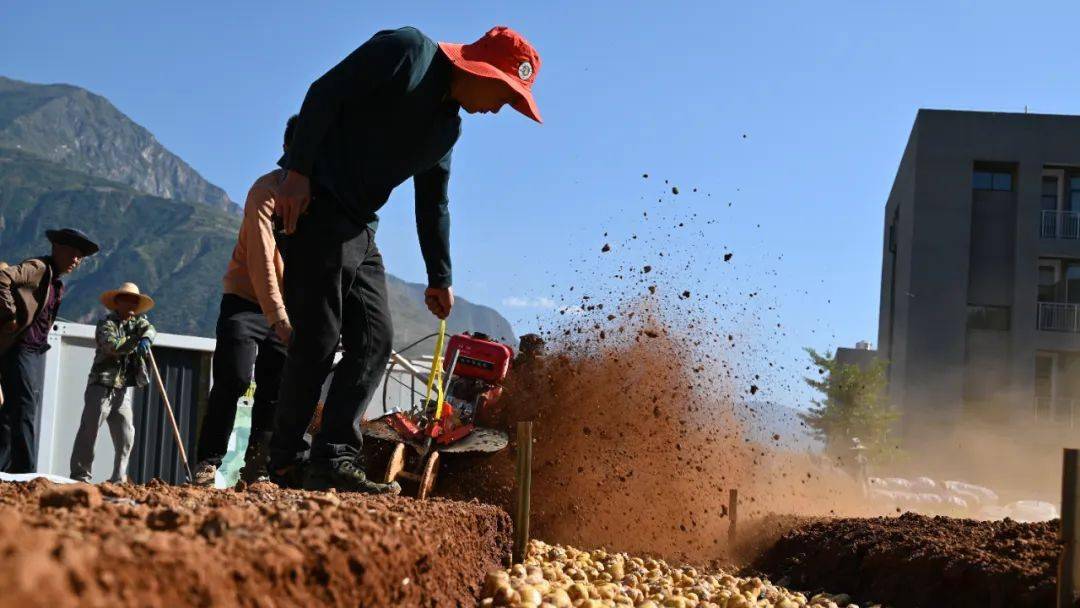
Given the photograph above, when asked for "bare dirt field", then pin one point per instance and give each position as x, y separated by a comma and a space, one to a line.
918, 561
159, 545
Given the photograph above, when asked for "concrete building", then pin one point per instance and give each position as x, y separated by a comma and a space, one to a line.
980, 282
862, 355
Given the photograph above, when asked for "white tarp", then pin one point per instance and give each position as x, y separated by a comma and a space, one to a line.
24, 477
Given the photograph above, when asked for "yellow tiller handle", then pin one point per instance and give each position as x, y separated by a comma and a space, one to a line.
436, 377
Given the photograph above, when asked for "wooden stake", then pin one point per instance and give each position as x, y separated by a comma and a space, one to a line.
1069, 563
733, 516
524, 491
169, 410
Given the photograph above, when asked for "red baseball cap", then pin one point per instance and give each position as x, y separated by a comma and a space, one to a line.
504, 54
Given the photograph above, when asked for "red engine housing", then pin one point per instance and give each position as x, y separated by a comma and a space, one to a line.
479, 358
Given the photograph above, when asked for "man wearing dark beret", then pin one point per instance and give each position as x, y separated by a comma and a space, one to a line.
30, 295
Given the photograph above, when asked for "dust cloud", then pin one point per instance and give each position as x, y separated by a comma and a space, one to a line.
648, 404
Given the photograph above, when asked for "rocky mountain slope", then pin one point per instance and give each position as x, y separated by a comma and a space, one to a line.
83, 132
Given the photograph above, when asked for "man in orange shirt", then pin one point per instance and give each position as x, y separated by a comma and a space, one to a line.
253, 330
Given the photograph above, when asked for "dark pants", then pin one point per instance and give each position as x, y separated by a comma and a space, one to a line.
244, 340
335, 287
22, 375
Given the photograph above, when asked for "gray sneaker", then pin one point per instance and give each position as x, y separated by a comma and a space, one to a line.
205, 474
343, 474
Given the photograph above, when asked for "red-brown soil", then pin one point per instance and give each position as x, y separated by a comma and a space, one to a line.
159, 545
636, 446
918, 561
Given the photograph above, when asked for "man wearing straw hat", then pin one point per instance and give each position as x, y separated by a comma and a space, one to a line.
387, 113
30, 297
123, 338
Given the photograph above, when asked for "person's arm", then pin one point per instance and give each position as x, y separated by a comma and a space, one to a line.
262, 253
7, 294
433, 222
109, 340
147, 330
12, 278
433, 228
364, 71
147, 335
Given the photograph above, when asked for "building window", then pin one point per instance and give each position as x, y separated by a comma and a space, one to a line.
988, 317
1072, 282
1048, 281
1074, 194
1059, 281
998, 181
1050, 193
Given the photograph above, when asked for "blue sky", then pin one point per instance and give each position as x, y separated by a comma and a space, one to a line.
824, 92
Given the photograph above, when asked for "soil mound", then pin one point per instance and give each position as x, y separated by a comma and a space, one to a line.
159, 545
914, 560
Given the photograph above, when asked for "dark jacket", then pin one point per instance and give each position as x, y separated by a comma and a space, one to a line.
24, 289
382, 116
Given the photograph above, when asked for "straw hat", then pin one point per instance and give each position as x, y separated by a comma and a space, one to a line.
108, 299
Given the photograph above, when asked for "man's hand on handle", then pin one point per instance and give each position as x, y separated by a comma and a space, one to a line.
144, 346
439, 300
292, 200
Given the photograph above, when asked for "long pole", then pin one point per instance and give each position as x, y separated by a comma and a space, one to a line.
524, 491
733, 517
1069, 562
169, 410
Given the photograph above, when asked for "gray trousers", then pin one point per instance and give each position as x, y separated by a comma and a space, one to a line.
104, 404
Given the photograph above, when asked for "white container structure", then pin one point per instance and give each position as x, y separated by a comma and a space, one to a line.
185, 368
185, 365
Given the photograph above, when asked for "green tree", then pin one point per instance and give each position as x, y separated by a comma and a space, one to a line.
852, 405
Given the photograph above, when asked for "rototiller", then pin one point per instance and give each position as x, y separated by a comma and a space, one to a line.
455, 403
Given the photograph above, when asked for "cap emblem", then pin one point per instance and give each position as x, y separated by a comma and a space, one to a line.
525, 70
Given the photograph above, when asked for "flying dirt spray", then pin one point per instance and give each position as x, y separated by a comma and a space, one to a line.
643, 422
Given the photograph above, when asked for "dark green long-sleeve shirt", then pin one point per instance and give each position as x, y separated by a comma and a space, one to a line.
383, 115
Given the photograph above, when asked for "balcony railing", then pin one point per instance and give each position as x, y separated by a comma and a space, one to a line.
1059, 316
1065, 412
1060, 225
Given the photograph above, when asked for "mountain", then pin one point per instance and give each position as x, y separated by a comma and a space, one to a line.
412, 320
83, 132
175, 251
